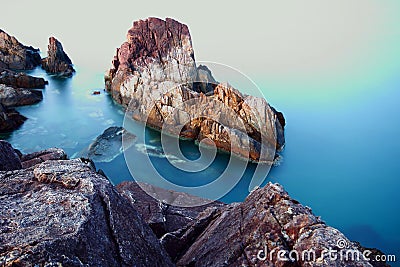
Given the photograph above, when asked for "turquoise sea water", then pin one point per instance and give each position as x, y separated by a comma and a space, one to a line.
341, 158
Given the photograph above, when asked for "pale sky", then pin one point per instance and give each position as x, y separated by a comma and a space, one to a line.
283, 39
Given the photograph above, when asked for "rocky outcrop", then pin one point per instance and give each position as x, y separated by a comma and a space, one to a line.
10, 119
68, 215
32, 159
160, 216
9, 159
21, 80
154, 74
57, 61
108, 145
63, 213
13, 97
252, 233
14, 55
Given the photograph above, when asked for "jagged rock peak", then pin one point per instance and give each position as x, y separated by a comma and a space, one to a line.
14, 55
57, 61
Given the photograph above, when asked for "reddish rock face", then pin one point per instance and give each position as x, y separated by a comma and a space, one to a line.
14, 55
154, 75
57, 61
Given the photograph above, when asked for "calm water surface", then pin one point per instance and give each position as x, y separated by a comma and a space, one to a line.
341, 159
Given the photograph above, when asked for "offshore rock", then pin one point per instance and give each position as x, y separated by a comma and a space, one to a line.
62, 213
154, 75
14, 55
108, 145
57, 61
13, 97
21, 80
10, 119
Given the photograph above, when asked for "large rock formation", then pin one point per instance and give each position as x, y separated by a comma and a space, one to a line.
57, 61
20, 80
154, 74
14, 55
62, 213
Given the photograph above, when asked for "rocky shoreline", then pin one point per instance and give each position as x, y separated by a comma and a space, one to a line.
69, 214
18, 88
56, 211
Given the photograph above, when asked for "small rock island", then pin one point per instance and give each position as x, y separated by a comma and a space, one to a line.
154, 74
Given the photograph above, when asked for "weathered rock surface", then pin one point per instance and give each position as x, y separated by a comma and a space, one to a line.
10, 119
32, 159
20, 80
108, 145
160, 216
57, 61
12, 97
154, 74
14, 55
9, 159
62, 213
269, 221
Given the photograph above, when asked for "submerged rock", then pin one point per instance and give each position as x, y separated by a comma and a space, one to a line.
13, 97
154, 75
10, 119
20, 80
62, 213
14, 55
57, 61
108, 145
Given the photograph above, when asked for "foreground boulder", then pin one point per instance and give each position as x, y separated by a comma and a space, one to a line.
20, 80
244, 234
32, 159
62, 213
57, 61
14, 55
154, 75
160, 216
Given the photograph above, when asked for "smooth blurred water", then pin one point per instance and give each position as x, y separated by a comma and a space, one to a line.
341, 159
